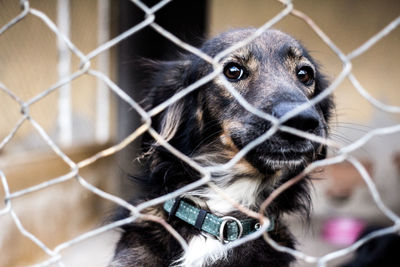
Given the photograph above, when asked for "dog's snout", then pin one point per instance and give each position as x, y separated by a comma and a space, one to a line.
306, 120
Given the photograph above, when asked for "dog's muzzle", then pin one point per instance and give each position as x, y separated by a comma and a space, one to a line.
282, 149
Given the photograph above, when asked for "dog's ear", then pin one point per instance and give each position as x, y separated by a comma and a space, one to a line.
323, 153
162, 79
327, 104
166, 79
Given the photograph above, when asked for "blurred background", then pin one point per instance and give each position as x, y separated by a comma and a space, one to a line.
84, 117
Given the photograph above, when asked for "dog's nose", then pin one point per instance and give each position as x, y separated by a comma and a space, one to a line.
307, 120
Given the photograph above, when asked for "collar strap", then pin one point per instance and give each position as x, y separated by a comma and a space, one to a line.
226, 229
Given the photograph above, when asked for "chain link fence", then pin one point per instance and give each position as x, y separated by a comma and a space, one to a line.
341, 153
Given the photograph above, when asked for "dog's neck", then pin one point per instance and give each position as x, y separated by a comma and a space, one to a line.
203, 249
242, 183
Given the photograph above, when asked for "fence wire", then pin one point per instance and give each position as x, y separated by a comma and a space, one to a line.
342, 152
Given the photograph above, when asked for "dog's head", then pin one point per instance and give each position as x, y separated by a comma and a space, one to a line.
274, 73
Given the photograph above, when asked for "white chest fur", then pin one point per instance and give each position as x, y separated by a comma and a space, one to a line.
243, 191
202, 251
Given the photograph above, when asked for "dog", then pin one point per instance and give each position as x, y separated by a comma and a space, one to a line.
275, 74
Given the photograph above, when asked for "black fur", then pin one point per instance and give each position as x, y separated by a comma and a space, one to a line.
210, 123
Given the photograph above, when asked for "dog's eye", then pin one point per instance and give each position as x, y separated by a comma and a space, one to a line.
305, 75
234, 72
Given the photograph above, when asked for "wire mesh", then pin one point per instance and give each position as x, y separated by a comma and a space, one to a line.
342, 152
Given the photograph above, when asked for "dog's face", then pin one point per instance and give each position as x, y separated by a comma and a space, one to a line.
275, 74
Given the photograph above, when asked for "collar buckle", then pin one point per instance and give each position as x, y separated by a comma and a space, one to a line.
224, 222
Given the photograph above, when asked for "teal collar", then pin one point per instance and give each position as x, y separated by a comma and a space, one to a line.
226, 229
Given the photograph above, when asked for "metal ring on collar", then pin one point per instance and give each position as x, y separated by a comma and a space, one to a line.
225, 220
